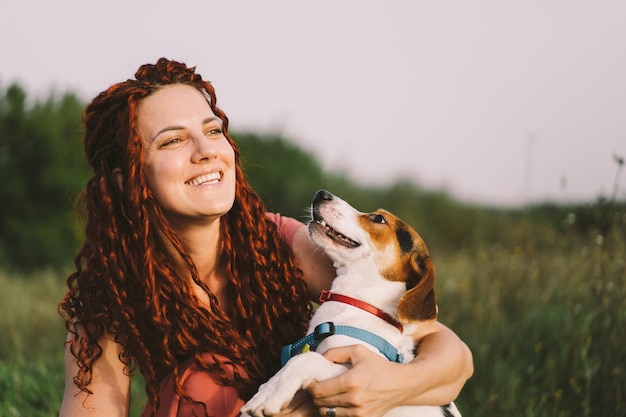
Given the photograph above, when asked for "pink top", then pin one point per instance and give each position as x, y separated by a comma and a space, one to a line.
287, 226
220, 400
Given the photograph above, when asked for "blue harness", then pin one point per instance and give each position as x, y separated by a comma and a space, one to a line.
321, 332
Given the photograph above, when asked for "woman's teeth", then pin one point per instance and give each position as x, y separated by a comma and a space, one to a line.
209, 178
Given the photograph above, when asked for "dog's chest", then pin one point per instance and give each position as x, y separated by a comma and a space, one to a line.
346, 315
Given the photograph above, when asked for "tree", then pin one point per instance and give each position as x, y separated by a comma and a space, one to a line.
42, 169
285, 176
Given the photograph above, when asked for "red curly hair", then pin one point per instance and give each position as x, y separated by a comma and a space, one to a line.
129, 284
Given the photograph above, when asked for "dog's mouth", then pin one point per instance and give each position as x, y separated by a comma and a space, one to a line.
333, 234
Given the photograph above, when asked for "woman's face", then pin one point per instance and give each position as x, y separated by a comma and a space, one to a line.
188, 162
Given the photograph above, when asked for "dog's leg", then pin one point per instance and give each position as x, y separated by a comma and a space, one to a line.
298, 373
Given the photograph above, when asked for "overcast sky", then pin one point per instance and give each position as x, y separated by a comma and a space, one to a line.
498, 102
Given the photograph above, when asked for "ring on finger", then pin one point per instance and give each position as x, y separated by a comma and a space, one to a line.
330, 411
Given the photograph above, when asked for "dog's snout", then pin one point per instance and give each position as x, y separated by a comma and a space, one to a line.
322, 195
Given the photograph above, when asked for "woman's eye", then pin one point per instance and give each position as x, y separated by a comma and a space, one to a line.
170, 142
214, 131
379, 218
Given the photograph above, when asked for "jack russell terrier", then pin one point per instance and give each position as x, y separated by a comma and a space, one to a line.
383, 290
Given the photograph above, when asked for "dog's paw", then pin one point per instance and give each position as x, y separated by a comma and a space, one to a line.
271, 398
276, 393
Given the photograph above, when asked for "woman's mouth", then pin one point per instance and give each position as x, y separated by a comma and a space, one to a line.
212, 178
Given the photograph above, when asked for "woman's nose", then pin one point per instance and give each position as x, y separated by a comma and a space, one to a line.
204, 149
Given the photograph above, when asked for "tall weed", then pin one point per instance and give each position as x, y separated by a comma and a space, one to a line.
545, 319
31, 346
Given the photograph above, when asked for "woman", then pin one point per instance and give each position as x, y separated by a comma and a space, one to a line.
184, 275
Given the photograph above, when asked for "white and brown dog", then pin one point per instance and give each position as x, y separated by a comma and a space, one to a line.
383, 290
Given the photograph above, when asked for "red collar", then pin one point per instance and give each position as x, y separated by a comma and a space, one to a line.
329, 296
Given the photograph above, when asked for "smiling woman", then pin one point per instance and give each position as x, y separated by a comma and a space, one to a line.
168, 213
182, 267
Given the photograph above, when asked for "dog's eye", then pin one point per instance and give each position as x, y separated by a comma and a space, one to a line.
379, 218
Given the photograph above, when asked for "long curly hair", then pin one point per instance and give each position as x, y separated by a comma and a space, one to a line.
129, 282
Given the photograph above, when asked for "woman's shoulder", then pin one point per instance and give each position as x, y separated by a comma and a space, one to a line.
287, 226
109, 383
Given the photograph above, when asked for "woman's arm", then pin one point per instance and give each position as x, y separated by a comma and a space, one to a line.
445, 363
316, 266
110, 385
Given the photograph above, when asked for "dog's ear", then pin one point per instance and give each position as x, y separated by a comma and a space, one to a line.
419, 303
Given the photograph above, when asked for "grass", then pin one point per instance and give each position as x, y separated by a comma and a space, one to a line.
31, 347
545, 319
543, 312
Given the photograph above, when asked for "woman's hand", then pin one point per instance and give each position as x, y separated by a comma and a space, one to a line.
368, 388
357, 392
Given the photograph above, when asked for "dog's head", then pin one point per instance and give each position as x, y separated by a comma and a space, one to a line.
393, 246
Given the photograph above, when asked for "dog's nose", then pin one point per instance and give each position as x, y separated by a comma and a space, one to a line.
322, 195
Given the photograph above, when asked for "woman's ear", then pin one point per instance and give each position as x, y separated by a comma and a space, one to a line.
119, 178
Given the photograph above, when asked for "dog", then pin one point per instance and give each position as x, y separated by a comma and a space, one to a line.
382, 291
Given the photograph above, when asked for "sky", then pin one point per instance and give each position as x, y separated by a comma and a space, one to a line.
496, 102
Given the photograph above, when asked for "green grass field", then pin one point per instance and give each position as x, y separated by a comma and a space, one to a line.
31, 347
546, 322
543, 312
